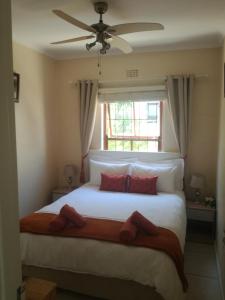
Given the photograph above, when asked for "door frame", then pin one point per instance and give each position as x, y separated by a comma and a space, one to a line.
10, 263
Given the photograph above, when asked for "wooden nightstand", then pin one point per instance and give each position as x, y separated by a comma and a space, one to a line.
201, 216
61, 191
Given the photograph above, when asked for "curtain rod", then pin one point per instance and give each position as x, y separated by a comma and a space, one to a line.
198, 76
132, 89
150, 78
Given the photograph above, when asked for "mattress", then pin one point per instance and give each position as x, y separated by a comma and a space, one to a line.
146, 266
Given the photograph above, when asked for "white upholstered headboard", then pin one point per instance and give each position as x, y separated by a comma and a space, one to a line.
131, 156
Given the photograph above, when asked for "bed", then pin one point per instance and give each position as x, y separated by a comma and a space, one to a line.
104, 269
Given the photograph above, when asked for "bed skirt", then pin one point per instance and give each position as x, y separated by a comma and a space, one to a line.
101, 287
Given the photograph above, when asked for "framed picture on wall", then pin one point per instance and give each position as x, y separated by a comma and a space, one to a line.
16, 86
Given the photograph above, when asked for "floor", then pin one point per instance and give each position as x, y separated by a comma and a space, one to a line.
200, 269
201, 272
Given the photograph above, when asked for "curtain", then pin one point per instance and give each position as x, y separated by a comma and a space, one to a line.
180, 90
88, 106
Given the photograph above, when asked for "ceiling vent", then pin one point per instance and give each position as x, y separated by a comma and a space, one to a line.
132, 73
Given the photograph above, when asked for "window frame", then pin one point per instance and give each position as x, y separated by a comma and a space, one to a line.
131, 138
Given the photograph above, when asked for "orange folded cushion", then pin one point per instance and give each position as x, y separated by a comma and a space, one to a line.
72, 215
142, 223
58, 223
128, 231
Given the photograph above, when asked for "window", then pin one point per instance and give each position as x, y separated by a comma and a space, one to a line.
133, 126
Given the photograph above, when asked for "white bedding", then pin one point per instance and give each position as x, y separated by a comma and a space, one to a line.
146, 266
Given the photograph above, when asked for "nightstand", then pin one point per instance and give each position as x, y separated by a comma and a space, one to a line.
201, 217
61, 191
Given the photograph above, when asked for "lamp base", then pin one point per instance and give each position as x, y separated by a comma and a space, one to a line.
197, 197
69, 180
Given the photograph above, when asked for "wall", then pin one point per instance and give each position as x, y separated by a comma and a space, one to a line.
36, 128
205, 110
221, 179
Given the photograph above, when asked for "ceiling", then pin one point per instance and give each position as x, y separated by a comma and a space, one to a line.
188, 24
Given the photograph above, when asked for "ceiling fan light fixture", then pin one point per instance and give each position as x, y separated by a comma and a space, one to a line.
105, 47
103, 51
90, 45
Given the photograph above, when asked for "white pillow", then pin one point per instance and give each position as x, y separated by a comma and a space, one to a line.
96, 168
177, 163
166, 176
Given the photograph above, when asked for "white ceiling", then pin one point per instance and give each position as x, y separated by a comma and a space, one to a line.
188, 24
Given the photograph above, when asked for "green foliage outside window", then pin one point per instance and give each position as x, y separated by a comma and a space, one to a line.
132, 126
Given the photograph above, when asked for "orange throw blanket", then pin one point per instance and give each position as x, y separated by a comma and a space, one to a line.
109, 230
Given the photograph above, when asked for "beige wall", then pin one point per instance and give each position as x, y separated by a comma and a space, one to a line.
47, 117
221, 178
204, 137
36, 128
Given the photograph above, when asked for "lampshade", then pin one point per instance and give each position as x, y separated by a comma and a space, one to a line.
69, 170
197, 182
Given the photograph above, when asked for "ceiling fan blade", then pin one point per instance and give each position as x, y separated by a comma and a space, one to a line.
134, 27
120, 43
74, 40
73, 21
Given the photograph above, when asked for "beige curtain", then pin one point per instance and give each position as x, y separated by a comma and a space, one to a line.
180, 90
88, 106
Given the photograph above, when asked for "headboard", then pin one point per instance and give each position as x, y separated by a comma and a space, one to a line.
146, 157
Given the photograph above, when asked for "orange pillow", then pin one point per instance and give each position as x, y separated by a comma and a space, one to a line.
115, 183
72, 215
142, 223
128, 231
142, 185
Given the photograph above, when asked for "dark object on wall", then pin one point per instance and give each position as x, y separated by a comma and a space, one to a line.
16, 86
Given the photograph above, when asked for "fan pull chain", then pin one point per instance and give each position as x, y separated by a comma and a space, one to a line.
99, 65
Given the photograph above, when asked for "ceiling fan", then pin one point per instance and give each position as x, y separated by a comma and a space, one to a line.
104, 34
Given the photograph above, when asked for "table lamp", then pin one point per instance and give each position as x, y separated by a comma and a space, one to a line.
69, 173
197, 183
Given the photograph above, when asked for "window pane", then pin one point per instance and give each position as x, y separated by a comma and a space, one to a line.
127, 146
112, 110
114, 128
128, 127
133, 126
112, 145
153, 146
121, 127
141, 146
152, 112
123, 110
148, 119
119, 145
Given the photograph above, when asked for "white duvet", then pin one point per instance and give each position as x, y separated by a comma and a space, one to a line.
146, 266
